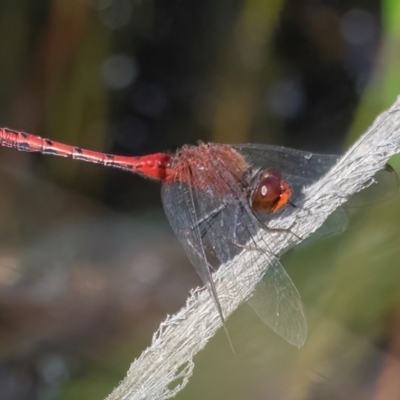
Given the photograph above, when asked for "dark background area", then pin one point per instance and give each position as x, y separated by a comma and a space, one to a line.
134, 78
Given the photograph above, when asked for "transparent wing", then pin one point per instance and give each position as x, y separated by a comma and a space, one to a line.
182, 212
213, 229
278, 304
385, 185
298, 168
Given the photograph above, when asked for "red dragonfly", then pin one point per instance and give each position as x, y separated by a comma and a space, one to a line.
217, 197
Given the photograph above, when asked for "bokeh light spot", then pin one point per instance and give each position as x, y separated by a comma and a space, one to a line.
119, 71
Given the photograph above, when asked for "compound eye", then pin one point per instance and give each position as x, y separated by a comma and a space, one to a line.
269, 189
271, 193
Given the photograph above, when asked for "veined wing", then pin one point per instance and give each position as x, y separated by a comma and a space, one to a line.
214, 229
301, 168
298, 168
182, 212
277, 303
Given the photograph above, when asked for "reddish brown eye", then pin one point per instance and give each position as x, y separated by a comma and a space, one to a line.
271, 194
269, 189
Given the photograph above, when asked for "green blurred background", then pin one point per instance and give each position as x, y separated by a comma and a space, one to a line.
88, 264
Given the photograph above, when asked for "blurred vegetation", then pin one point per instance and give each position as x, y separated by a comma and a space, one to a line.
88, 266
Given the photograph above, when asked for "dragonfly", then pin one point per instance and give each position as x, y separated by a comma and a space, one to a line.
217, 198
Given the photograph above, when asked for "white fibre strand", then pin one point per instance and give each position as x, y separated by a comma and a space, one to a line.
164, 368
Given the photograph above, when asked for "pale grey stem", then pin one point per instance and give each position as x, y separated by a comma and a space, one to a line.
164, 368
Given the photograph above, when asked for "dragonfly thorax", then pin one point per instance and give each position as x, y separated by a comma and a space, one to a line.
211, 167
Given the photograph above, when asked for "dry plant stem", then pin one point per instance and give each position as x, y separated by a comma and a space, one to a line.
164, 368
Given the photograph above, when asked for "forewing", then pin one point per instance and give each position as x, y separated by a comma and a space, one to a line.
298, 168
